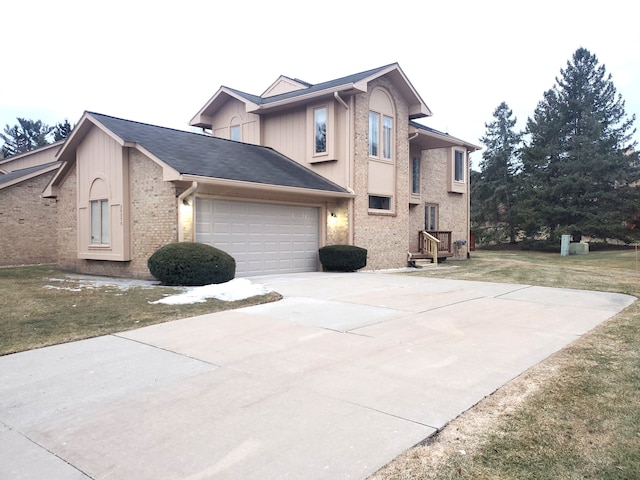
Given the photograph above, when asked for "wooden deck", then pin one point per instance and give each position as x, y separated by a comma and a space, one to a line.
444, 247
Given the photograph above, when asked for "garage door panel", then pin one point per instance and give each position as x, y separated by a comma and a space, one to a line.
263, 238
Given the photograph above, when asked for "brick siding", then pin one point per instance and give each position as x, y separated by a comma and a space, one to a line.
27, 223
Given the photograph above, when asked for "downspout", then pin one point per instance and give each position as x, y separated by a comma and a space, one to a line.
181, 198
349, 162
468, 233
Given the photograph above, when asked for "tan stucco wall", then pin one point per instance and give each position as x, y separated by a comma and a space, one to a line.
385, 236
27, 223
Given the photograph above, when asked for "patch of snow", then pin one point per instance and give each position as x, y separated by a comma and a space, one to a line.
236, 289
70, 289
80, 282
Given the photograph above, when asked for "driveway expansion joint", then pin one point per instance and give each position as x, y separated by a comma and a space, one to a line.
166, 350
390, 414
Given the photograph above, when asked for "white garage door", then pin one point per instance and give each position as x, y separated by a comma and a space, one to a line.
263, 238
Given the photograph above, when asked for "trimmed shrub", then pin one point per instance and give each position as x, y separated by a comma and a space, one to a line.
191, 264
342, 258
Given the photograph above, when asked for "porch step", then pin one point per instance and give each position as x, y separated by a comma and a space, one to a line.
422, 263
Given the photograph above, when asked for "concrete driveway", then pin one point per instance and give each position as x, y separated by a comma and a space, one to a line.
332, 382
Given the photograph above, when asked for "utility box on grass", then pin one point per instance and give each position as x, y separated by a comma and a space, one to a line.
578, 248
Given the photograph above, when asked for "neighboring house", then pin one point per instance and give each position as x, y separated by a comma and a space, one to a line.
28, 221
278, 176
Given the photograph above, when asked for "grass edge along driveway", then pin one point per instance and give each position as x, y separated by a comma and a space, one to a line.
43, 306
575, 415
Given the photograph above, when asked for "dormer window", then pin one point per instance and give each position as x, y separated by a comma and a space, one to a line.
235, 133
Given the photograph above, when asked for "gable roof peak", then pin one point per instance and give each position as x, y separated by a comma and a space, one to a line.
287, 91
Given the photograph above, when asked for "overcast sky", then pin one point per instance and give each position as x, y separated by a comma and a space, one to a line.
159, 62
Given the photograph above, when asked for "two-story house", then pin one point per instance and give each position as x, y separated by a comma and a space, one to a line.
270, 180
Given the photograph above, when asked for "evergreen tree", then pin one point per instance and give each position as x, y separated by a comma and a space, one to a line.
26, 135
62, 130
495, 191
580, 160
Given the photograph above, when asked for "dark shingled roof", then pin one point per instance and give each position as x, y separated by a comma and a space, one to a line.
202, 155
356, 77
24, 172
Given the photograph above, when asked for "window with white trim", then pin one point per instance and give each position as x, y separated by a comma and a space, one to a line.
236, 133
374, 133
320, 130
387, 137
99, 222
380, 144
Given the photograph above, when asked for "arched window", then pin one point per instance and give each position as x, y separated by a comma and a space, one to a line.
381, 125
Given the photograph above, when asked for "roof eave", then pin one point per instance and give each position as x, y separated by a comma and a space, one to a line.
303, 98
444, 139
264, 187
203, 118
29, 176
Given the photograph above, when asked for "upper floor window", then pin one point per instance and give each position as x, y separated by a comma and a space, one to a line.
415, 175
321, 137
387, 137
99, 222
320, 130
457, 171
379, 123
236, 133
459, 166
374, 133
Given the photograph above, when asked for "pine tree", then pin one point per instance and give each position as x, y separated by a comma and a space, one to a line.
26, 135
495, 189
62, 130
580, 161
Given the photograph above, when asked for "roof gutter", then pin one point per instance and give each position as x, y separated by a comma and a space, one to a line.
303, 98
264, 187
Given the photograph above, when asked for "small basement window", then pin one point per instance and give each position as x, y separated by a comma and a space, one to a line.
377, 202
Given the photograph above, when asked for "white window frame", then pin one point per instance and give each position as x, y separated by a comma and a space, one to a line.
316, 125
374, 134
99, 218
381, 136
235, 133
329, 154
